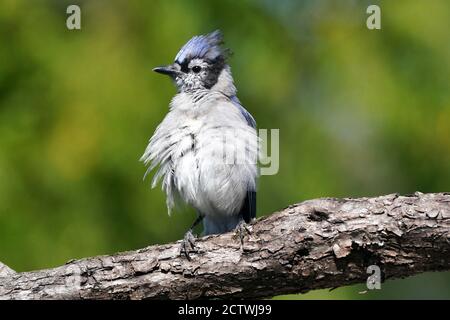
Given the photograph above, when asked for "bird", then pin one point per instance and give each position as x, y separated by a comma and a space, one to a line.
206, 147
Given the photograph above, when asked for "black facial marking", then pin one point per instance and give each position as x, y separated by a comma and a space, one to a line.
183, 65
214, 71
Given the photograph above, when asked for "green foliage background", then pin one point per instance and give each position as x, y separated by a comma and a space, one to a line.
360, 112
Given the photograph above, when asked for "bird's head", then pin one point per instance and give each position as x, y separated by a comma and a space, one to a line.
199, 63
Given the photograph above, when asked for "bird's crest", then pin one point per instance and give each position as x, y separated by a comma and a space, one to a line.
208, 47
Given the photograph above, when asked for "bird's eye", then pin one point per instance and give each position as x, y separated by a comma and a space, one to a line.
196, 69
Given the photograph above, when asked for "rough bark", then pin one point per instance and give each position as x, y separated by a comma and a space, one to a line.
322, 243
5, 270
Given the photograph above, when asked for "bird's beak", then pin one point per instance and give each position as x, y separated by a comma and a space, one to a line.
169, 70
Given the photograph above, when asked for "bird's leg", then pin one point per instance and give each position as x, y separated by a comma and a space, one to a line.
188, 242
241, 229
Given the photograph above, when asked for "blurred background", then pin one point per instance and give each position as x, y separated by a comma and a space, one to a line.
361, 113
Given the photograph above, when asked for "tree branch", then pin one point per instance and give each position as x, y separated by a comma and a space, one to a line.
5, 270
322, 243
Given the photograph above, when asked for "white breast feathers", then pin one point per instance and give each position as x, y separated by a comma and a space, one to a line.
206, 153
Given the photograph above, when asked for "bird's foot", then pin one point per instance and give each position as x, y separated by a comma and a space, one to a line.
188, 245
241, 230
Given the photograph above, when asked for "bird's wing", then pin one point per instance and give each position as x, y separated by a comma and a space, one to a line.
250, 121
248, 210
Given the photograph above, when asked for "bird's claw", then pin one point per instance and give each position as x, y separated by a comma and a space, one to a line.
188, 245
242, 229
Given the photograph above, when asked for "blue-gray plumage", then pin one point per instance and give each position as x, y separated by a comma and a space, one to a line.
206, 147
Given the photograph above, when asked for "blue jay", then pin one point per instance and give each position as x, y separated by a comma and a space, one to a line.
206, 147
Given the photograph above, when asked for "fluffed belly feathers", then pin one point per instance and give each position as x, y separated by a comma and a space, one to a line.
209, 177
206, 155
